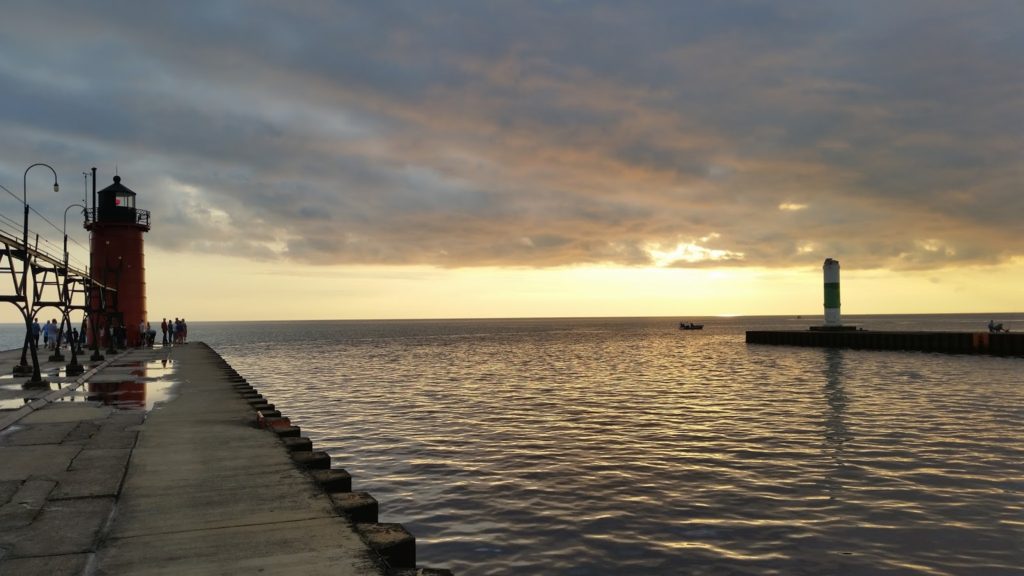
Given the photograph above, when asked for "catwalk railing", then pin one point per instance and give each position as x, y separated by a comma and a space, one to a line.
33, 278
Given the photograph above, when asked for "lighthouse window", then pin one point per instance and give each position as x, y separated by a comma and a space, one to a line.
124, 201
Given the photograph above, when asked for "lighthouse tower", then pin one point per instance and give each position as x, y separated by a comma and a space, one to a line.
831, 272
116, 227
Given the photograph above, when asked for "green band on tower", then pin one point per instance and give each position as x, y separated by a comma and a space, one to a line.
832, 295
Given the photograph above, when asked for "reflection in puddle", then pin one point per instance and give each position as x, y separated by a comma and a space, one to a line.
127, 395
13, 403
62, 372
14, 395
141, 386
19, 386
148, 386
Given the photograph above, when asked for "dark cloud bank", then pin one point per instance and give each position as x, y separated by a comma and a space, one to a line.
535, 134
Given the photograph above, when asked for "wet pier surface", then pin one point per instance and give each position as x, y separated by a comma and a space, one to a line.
152, 463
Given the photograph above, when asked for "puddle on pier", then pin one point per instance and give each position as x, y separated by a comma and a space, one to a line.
140, 387
13, 403
149, 384
14, 395
60, 373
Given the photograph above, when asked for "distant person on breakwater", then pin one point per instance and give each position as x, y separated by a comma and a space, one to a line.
121, 335
179, 331
35, 331
163, 331
184, 331
993, 327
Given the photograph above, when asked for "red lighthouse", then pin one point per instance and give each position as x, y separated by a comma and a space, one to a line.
118, 260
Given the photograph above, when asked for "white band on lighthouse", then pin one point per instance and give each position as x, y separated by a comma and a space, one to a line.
831, 272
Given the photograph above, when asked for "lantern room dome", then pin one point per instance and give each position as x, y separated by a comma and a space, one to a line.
115, 204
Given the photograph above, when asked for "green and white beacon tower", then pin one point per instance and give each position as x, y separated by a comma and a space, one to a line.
831, 271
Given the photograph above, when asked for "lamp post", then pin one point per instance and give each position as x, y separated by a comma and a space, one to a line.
66, 229
73, 367
24, 199
36, 378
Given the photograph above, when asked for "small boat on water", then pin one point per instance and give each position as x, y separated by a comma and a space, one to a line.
690, 326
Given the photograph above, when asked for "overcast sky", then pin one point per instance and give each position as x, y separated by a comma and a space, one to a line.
470, 133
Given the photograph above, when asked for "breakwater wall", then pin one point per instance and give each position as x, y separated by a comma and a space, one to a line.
1000, 344
394, 545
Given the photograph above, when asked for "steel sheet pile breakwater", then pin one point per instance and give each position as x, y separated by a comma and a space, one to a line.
1001, 344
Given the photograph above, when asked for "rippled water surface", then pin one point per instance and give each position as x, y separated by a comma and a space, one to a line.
625, 446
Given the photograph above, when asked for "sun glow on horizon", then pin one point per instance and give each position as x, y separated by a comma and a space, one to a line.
223, 288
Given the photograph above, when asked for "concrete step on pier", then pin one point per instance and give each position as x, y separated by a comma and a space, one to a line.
191, 487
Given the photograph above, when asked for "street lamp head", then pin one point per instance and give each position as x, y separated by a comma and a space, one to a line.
56, 187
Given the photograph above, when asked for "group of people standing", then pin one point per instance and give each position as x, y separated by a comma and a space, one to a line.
49, 331
174, 331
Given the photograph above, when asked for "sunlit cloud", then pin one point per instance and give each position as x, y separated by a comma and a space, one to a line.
691, 253
792, 207
936, 246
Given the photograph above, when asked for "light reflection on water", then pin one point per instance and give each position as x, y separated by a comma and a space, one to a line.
625, 446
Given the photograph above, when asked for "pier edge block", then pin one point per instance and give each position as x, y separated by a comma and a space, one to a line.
299, 444
312, 460
356, 506
332, 480
286, 431
395, 545
278, 423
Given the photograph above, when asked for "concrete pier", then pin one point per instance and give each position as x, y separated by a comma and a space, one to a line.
1001, 344
194, 486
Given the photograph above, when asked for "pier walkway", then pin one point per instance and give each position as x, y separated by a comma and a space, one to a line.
189, 487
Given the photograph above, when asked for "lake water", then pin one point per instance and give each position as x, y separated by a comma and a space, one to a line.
625, 446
